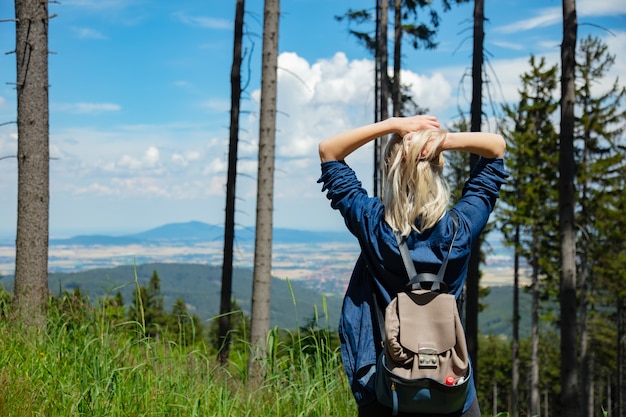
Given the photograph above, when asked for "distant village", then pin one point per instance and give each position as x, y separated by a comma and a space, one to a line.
325, 267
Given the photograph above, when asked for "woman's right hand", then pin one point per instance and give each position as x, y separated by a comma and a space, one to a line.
485, 144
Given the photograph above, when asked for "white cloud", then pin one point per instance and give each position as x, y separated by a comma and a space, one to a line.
543, 17
179, 160
96, 5
152, 156
142, 186
125, 187
149, 160
217, 105
186, 158
432, 92
213, 187
330, 95
318, 99
88, 33
550, 16
509, 45
55, 152
8, 143
182, 84
86, 108
192, 155
204, 22
215, 166
510, 70
95, 189
600, 7
94, 156
247, 167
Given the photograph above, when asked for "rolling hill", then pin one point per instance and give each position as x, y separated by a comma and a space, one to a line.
199, 286
195, 232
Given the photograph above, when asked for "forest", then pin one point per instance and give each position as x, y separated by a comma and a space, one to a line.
561, 212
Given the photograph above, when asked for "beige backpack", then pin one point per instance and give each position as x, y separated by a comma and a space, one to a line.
424, 366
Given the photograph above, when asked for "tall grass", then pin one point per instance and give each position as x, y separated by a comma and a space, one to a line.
97, 368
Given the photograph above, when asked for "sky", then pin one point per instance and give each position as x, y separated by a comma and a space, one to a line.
140, 95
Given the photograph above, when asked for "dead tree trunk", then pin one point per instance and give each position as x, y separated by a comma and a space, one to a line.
570, 403
262, 274
229, 223
473, 270
33, 159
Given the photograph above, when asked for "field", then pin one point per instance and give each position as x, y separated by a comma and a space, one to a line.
94, 368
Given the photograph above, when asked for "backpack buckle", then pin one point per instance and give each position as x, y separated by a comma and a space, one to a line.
428, 358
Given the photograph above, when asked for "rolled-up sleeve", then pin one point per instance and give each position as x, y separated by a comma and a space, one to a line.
480, 193
346, 193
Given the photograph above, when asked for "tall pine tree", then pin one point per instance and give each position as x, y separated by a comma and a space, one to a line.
147, 308
529, 202
601, 167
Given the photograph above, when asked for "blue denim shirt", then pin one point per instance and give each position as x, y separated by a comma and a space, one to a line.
379, 268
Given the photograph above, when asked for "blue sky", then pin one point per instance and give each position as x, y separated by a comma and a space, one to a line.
140, 96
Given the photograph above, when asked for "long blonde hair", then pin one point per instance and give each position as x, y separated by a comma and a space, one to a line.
413, 184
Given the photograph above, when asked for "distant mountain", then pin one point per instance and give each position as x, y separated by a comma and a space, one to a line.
189, 231
93, 240
197, 232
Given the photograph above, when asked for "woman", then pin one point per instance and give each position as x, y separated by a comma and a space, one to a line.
415, 202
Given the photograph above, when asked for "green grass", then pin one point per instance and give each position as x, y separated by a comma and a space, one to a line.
95, 368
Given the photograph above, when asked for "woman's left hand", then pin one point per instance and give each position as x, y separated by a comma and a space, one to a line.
405, 125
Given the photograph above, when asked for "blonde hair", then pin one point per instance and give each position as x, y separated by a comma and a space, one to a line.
413, 184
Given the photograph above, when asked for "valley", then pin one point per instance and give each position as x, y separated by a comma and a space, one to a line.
313, 267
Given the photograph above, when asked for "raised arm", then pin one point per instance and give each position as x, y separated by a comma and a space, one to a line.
337, 147
487, 145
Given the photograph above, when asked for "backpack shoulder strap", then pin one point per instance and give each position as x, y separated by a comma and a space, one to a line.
416, 280
380, 319
406, 256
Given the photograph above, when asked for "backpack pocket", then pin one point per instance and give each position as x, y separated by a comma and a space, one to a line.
424, 366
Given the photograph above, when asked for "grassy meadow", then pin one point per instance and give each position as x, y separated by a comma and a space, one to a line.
112, 359
98, 367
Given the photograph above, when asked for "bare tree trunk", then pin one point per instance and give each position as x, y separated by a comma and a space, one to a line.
585, 289
620, 359
516, 319
534, 360
260, 320
477, 66
591, 401
229, 223
586, 376
495, 398
396, 95
570, 404
384, 83
33, 159
609, 404
473, 269
377, 151
384, 62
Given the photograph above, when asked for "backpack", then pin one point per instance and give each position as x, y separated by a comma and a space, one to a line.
424, 366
